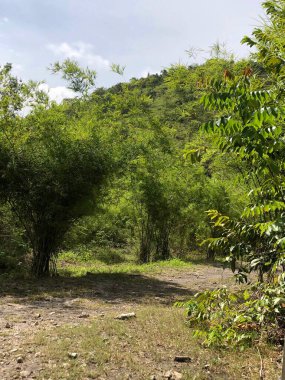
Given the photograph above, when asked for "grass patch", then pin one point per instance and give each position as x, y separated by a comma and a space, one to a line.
69, 265
111, 349
106, 256
140, 348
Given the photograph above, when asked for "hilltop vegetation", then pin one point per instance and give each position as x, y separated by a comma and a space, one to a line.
112, 169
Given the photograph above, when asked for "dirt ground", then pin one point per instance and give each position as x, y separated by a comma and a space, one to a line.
29, 308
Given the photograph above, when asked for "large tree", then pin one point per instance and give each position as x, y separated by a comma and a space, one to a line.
51, 164
251, 126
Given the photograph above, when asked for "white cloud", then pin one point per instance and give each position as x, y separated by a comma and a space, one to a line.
5, 19
79, 51
66, 50
58, 93
148, 71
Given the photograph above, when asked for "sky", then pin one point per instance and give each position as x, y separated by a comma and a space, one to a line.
144, 35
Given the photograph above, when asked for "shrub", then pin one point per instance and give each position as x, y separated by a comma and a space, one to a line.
238, 319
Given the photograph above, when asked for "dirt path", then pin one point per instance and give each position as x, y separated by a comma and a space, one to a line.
30, 308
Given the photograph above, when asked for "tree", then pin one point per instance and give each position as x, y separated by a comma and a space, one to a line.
251, 126
149, 121
79, 80
50, 165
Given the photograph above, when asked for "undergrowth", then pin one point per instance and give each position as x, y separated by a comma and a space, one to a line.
75, 265
238, 319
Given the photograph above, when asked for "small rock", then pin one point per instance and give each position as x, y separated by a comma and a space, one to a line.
182, 359
25, 374
37, 354
153, 377
38, 315
72, 355
207, 366
126, 316
13, 350
72, 302
8, 325
84, 315
20, 360
36, 323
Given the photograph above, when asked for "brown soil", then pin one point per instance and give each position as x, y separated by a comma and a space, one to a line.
28, 308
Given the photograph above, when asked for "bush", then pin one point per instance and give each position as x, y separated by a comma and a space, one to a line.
238, 319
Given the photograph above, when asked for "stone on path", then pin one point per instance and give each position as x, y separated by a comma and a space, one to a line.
126, 316
84, 315
72, 355
25, 374
182, 359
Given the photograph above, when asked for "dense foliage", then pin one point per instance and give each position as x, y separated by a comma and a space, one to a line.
129, 168
156, 204
238, 319
111, 168
250, 125
49, 166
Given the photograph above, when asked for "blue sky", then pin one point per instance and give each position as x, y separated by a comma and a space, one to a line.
144, 35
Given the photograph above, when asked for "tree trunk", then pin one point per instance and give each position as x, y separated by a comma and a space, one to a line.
162, 244
145, 243
43, 250
41, 264
211, 254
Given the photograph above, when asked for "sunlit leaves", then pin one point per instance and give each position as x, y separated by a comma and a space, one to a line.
226, 319
117, 69
79, 79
